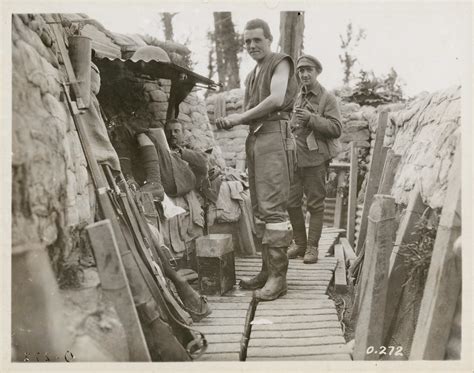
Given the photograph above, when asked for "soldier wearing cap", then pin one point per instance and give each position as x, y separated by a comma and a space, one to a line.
316, 118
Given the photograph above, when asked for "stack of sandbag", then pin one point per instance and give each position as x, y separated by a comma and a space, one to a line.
355, 125
231, 142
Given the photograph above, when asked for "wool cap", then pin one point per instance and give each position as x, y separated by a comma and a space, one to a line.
308, 60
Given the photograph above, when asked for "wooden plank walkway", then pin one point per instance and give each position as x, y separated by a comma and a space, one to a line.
302, 325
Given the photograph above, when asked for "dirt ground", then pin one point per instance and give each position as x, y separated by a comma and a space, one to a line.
344, 304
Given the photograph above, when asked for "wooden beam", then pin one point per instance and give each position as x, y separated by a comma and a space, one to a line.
375, 172
337, 165
115, 286
373, 288
454, 345
352, 204
340, 279
444, 279
397, 272
341, 175
389, 170
349, 253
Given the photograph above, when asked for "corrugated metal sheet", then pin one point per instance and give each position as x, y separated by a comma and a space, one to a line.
156, 69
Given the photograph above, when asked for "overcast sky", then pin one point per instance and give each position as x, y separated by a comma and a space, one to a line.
428, 43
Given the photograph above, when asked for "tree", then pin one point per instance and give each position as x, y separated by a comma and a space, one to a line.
228, 46
167, 20
348, 46
291, 33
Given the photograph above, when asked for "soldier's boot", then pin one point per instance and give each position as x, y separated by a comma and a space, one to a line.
298, 247
162, 343
276, 285
314, 234
258, 281
296, 250
311, 255
151, 165
194, 303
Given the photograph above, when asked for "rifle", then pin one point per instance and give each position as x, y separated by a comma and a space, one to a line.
143, 241
141, 287
158, 261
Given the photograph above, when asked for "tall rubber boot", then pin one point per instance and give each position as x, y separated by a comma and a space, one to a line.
276, 285
258, 281
151, 165
299, 233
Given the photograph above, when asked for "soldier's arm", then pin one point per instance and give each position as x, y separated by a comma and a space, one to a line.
329, 124
273, 102
197, 160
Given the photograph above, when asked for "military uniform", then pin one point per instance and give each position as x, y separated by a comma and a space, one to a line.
268, 161
313, 158
270, 151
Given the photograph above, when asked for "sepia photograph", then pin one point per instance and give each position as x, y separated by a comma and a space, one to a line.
251, 184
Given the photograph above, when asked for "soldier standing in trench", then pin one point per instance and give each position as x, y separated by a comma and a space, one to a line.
316, 119
270, 149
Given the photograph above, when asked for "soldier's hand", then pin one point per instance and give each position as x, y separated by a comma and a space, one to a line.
222, 124
228, 122
302, 115
234, 119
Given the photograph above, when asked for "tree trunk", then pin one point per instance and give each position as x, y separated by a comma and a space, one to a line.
167, 19
291, 33
227, 48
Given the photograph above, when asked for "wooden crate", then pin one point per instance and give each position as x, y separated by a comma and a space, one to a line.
216, 264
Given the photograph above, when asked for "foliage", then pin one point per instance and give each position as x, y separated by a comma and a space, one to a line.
373, 90
417, 255
348, 45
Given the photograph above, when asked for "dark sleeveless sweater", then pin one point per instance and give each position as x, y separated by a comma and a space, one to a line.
258, 86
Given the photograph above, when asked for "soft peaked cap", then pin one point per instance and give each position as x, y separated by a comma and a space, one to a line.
307, 60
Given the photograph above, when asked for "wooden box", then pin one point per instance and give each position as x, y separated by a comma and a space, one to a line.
216, 263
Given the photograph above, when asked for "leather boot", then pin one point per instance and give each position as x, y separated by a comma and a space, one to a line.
311, 255
194, 303
296, 250
258, 281
315, 227
299, 233
277, 268
151, 165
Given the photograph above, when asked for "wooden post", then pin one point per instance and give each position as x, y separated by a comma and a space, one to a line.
388, 174
352, 204
373, 288
340, 279
373, 180
444, 278
291, 33
454, 345
348, 251
397, 272
115, 286
341, 175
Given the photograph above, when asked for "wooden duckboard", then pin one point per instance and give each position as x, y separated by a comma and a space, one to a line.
302, 325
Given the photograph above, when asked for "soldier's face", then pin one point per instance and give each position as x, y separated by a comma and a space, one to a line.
175, 134
257, 45
307, 75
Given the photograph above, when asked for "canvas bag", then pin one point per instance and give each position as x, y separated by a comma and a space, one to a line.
334, 145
